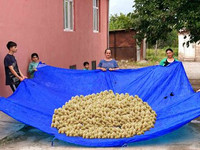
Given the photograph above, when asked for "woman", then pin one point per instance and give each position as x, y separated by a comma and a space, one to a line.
108, 63
170, 58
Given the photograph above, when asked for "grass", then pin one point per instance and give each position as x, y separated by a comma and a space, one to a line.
152, 58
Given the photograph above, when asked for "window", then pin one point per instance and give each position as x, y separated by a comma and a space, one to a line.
93, 65
68, 15
72, 67
96, 15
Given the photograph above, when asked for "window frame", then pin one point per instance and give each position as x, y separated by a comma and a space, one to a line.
69, 16
72, 67
96, 7
94, 65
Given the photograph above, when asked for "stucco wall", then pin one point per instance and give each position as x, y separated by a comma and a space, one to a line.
37, 26
185, 53
197, 51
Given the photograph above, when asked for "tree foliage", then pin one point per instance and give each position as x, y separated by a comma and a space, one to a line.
129, 21
120, 22
156, 19
171, 41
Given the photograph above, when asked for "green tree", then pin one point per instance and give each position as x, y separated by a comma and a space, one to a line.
156, 19
171, 41
120, 22
130, 21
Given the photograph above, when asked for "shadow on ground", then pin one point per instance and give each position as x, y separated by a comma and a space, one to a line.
182, 138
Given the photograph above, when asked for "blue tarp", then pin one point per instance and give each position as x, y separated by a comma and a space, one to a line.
166, 89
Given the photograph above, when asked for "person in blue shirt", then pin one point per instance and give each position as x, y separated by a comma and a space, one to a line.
108, 63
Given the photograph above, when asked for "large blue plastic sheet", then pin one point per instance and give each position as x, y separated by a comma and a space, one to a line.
166, 89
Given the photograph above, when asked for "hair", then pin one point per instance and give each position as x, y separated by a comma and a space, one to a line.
85, 63
11, 44
107, 49
34, 54
169, 49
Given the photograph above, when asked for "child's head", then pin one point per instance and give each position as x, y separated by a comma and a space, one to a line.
12, 46
34, 57
86, 65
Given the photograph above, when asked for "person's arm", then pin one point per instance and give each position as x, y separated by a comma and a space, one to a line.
162, 62
30, 69
116, 67
103, 69
100, 66
112, 69
24, 77
15, 73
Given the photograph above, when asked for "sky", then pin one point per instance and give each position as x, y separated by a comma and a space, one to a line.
124, 6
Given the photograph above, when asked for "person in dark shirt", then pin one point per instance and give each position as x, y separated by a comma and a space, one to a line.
13, 74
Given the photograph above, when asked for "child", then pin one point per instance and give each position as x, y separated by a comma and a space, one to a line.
33, 65
13, 74
86, 65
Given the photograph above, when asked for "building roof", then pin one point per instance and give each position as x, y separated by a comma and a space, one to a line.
120, 30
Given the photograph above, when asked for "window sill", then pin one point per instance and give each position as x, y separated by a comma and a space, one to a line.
95, 31
68, 30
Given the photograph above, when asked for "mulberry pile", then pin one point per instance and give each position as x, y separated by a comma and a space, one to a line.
104, 115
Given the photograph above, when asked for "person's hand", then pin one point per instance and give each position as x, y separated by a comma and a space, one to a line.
103, 69
35, 69
22, 78
198, 90
112, 69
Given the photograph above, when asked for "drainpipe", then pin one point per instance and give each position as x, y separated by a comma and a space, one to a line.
108, 42
115, 45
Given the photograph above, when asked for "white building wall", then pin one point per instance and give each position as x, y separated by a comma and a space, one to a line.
185, 53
